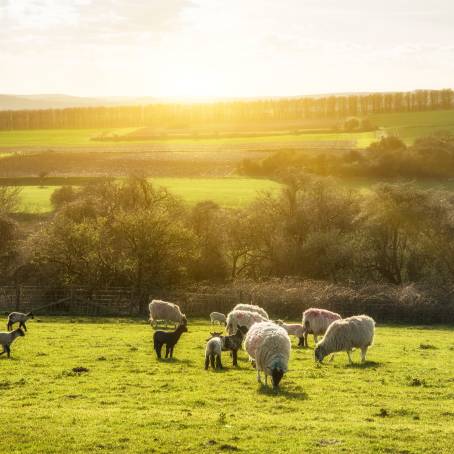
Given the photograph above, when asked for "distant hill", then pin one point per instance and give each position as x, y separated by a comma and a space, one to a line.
60, 101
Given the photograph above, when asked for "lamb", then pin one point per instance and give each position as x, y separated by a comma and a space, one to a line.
316, 322
294, 329
18, 317
213, 352
169, 339
242, 318
232, 343
162, 310
251, 308
269, 346
346, 334
6, 339
218, 317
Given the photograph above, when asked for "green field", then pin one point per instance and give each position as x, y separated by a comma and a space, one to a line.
400, 401
408, 126
227, 192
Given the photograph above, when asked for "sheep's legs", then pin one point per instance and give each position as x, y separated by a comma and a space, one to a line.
218, 362
22, 325
213, 366
349, 353
235, 357
305, 344
258, 376
266, 379
363, 354
158, 349
9, 326
8, 350
207, 361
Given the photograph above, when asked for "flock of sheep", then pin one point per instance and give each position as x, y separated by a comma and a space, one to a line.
267, 342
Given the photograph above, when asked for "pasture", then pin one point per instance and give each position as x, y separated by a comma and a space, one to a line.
86, 384
227, 192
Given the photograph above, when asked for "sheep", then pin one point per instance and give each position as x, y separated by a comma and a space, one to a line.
316, 322
162, 310
269, 346
18, 317
242, 318
232, 343
251, 308
346, 334
6, 339
169, 339
218, 317
294, 329
213, 352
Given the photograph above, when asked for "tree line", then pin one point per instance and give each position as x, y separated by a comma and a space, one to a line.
178, 115
130, 233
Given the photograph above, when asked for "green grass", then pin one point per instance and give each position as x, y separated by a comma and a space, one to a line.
128, 401
227, 192
82, 137
410, 126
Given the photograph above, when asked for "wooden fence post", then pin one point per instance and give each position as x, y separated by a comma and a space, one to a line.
18, 297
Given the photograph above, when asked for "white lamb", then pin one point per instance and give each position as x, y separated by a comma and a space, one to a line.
316, 322
269, 346
346, 334
18, 317
213, 353
251, 308
162, 310
218, 317
238, 318
6, 339
293, 329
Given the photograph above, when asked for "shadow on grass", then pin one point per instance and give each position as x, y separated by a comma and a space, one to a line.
282, 392
176, 361
366, 365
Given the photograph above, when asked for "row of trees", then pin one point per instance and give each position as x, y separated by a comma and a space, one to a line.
132, 234
193, 115
429, 157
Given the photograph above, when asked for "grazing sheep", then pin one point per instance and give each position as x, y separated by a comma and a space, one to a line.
242, 318
162, 310
232, 343
269, 346
346, 334
218, 317
169, 339
316, 322
294, 329
18, 317
213, 352
251, 308
6, 339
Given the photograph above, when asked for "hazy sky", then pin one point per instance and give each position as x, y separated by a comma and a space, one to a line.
224, 47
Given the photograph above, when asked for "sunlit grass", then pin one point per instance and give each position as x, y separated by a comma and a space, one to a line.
227, 192
127, 401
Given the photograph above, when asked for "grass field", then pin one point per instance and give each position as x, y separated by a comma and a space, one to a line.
400, 401
227, 192
410, 126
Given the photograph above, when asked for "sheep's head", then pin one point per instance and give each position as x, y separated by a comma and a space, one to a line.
276, 374
319, 353
242, 329
214, 335
184, 320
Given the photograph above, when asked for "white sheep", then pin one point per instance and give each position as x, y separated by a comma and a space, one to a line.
213, 353
162, 310
346, 334
293, 329
18, 317
218, 317
269, 346
6, 339
251, 308
316, 321
238, 318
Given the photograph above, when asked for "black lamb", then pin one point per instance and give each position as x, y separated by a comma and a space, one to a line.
232, 343
169, 339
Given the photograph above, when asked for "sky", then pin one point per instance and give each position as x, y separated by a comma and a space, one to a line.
224, 48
